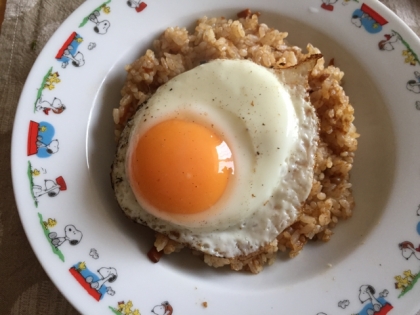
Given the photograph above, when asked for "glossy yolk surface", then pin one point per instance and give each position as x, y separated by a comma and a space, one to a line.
180, 167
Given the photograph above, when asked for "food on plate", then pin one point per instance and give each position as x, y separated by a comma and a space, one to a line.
233, 143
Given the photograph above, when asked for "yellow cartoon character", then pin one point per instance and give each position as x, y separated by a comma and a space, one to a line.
82, 266
401, 283
127, 308
54, 78
35, 172
120, 306
50, 223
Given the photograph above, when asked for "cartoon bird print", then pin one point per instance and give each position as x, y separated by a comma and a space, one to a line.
401, 283
51, 81
36, 172
120, 306
127, 308
49, 223
81, 266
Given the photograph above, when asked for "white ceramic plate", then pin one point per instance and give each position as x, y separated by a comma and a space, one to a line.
98, 259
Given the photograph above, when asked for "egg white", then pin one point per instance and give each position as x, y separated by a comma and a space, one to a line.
266, 119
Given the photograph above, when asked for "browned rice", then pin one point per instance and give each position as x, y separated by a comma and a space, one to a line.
330, 199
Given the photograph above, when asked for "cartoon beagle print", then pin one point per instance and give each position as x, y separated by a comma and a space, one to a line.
69, 53
71, 234
373, 305
371, 21
414, 85
163, 309
55, 106
138, 5
41, 184
387, 44
40, 139
50, 188
96, 284
101, 27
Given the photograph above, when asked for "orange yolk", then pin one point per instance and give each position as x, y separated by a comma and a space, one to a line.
180, 167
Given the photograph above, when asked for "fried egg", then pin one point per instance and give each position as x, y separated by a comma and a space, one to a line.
221, 157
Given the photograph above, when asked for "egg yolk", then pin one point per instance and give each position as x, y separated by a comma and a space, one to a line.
181, 167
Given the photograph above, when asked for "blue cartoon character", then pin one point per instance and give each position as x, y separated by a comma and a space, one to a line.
40, 139
137, 4
377, 306
69, 53
71, 234
369, 19
94, 284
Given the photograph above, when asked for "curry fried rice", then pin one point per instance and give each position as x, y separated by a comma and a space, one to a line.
330, 199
